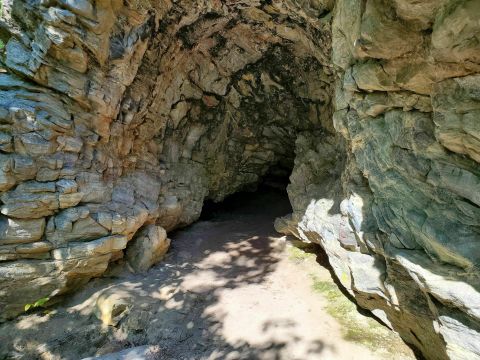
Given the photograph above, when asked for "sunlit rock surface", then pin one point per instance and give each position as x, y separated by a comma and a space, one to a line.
121, 118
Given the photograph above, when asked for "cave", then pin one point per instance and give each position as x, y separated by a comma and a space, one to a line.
272, 190
124, 122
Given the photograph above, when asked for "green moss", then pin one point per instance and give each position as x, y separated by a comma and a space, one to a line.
299, 255
357, 327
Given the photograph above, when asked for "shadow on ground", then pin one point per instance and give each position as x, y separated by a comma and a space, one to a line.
174, 305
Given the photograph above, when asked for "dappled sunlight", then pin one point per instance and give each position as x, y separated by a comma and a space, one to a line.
226, 290
32, 322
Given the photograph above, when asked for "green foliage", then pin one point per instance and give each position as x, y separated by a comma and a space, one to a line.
39, 303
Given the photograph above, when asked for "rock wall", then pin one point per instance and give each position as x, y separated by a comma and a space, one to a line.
116, 116
119, 119
402, 234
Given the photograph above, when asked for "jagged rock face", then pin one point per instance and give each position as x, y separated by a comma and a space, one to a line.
117, 116
403, 235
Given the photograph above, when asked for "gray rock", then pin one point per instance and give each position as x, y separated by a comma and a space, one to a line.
375, 105
147, 248
80, 7
34, 248
35, 145
145, 352
102, 246
73, 224
7, 179
17, 231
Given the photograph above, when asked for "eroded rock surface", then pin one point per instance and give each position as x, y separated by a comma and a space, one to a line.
148, 248
119, 116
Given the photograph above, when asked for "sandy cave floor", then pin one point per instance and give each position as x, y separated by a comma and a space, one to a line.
229, 288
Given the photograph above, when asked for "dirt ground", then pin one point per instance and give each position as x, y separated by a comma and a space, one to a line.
230, 288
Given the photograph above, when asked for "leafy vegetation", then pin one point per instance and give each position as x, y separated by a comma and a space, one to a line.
39, 303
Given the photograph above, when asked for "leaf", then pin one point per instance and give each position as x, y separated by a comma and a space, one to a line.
38, 303
41, 302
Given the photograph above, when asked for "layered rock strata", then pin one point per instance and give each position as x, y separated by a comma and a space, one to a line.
119, 119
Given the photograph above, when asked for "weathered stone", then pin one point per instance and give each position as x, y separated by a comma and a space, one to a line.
24, 168
69, 200
144, 352
102, 246
15, 231
419, 13
147, 248
371, 76
7, 179
93, 188
6, 144
35, 145
70, 144
113, 305
456, 108
81, 7
382, 37
457, 180
74, 224
368, 274
455, 34
46, 174
141, 111
345, 31
25, 281
30, 200
34, 248
66, 186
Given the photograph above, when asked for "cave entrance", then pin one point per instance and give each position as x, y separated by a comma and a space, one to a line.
267, 198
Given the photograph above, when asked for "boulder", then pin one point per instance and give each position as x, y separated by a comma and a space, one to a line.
147, 248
